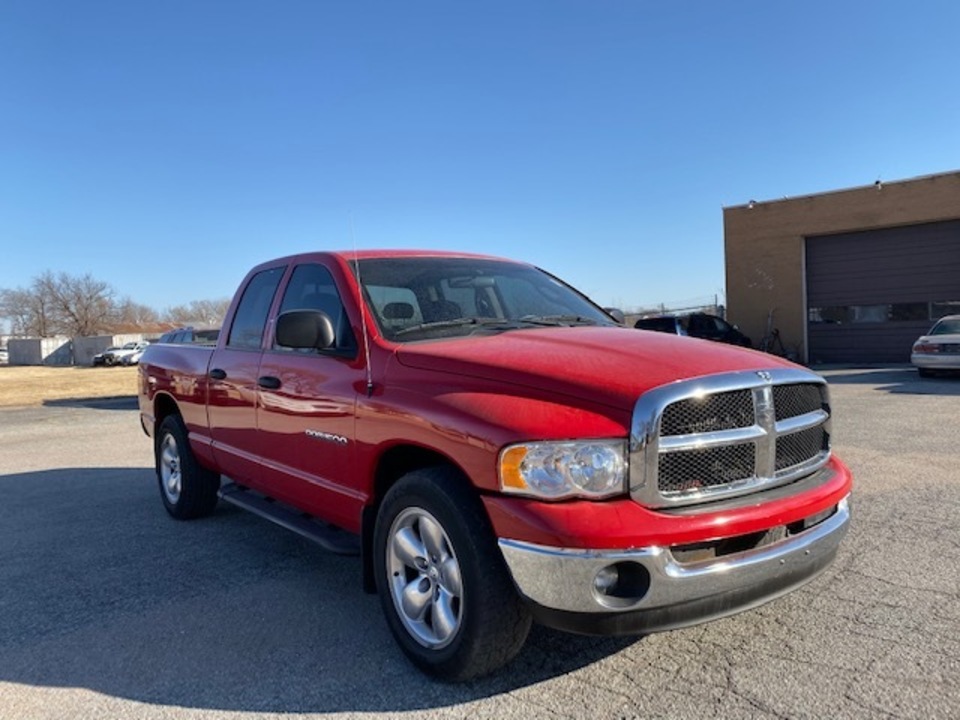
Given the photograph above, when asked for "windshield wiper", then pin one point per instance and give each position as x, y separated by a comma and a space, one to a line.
455, 322
558, 320
501, 323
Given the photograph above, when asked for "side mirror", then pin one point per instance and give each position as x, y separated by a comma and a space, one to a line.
305, 329
617, 315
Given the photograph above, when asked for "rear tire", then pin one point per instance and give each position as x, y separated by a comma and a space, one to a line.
445, 589
188, 489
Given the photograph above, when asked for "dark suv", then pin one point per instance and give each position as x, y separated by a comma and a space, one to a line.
698, 325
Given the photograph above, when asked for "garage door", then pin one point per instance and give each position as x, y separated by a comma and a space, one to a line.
871, 294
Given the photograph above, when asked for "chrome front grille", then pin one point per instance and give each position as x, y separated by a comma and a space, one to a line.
724, 411
799, 447
686, 470
797, 399
726, 435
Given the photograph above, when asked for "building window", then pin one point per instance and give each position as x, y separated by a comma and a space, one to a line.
910, 311
893, 312
948, 307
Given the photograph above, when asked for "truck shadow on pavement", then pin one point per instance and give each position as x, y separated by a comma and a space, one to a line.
118, 402
100, 589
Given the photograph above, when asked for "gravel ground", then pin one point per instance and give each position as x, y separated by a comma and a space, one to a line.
110, 609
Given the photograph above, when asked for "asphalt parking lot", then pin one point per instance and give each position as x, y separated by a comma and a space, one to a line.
110, 609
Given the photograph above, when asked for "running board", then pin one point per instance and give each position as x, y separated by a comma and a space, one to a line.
329, 537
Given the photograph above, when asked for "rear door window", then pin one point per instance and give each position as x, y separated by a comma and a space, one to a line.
251, 317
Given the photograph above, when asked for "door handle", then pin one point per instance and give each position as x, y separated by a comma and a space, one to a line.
269, 382
218, 374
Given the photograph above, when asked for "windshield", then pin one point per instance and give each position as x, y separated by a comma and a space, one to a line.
419, 298
946, 326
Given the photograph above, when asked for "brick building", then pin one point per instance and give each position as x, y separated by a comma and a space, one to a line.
847, 276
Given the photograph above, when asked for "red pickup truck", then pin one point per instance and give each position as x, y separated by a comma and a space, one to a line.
497, 449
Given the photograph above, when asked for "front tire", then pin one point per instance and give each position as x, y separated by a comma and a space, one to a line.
188, 489
445, 590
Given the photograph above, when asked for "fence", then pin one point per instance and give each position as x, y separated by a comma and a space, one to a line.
63, 350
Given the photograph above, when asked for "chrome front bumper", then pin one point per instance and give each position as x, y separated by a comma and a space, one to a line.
561, 583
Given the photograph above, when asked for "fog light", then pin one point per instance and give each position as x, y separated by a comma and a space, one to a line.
621, 585
606, 580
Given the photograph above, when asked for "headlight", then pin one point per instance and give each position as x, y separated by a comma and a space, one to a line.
552, 470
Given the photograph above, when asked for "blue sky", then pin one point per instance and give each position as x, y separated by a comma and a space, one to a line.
165, 147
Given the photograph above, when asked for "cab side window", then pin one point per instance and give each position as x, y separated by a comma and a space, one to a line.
246, 333
311, 287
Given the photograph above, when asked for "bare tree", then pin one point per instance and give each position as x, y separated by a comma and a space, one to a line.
82, 306
62, 304
129, 313
29, 312
59, 304
198, 312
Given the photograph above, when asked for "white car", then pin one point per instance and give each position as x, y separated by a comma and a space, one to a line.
106, 357
939, 349
116, 356
134, 357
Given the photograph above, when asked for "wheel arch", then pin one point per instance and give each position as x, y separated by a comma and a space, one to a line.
163, 406
392, 465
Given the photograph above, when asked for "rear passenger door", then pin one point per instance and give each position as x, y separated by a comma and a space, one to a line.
233, 375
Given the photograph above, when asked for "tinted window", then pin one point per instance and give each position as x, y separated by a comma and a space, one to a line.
251, 317
707, 326
667, 325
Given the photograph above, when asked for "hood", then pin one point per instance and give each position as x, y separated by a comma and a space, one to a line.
608, 365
